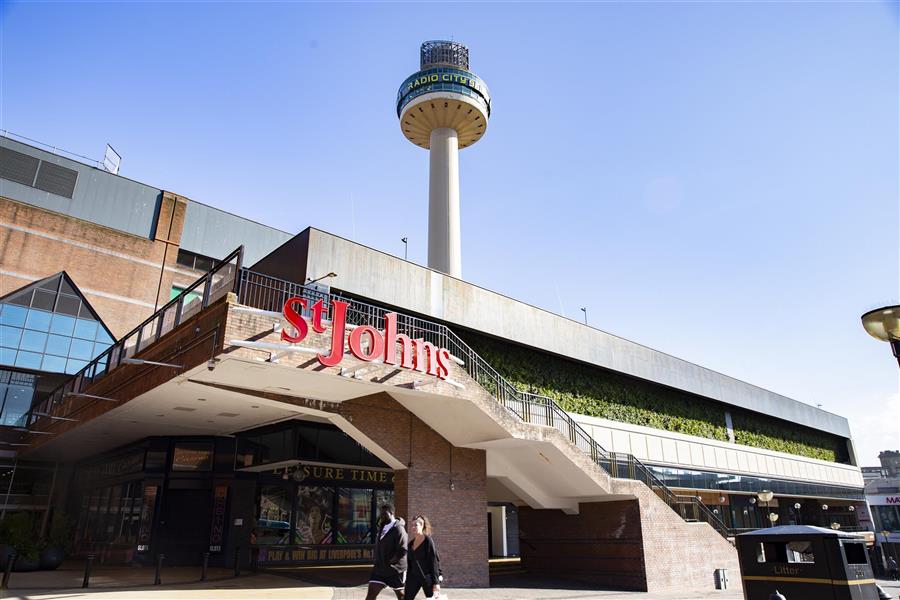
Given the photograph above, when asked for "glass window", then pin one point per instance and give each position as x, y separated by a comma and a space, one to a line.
68, 305
273, 520
28, 360
43, 299
38, 320
100, 349
102, 336
73, 365
62, 324
85, 329
53, 363
33, 341
354, 516
10, 336
58, 345
13, 315
82, 349
192, 457
7, 356
16, 403
314, 507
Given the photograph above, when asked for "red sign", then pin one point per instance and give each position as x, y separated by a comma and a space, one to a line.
217, 528
417, 355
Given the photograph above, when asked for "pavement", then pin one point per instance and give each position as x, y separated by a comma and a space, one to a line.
305, 583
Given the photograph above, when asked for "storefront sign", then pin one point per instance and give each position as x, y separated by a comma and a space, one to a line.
417, 355
217, 530
346, 475
292, 554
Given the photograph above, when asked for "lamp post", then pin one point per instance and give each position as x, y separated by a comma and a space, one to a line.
405, 247
766, 496
884, 324
584, 310
799, 514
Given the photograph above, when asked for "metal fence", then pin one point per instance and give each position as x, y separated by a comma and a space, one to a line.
270, 293
62, 402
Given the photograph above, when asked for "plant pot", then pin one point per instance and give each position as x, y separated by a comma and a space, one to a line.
5, 552
51, 558
24, 563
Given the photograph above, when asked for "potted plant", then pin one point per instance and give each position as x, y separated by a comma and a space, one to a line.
22, 539
57, 542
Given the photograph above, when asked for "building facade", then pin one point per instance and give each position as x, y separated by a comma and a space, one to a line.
220, 411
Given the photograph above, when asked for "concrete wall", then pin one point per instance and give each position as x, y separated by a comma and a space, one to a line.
372, 274
691, 452
99, 197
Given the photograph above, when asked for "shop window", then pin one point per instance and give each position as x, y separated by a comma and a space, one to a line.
192, 457
855, 553
16, 393
354, 516
314, 514
273, 521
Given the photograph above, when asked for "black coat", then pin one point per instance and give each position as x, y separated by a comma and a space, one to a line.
390, 551
424, 562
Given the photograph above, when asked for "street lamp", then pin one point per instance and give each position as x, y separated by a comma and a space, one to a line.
405, 247
584, 310
766, 496
884, 324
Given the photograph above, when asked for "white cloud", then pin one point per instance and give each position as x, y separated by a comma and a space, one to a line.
876, 430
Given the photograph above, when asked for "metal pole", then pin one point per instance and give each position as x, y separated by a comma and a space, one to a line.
46, 518
9, 490
159, 561
237, 561
87, 571
205, 566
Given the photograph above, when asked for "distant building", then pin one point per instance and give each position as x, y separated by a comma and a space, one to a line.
890, 462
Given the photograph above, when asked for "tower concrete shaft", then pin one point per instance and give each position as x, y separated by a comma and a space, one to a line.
444, 250
444, 107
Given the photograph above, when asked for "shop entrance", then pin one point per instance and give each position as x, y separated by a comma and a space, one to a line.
183, 529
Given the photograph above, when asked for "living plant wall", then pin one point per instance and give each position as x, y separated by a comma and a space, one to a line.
596, 392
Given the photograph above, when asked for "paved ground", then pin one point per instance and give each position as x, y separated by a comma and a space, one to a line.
124, 583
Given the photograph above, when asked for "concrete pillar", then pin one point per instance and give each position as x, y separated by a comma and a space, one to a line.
443, 203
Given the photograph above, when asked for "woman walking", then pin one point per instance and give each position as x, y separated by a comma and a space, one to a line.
424, 564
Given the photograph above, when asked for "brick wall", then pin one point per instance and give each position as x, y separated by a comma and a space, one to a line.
601, 544
121, 275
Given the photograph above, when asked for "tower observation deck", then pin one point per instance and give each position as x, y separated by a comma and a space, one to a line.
444, 107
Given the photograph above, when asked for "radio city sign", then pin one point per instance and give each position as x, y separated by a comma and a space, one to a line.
365, 342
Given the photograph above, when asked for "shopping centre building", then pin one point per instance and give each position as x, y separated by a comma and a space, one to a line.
181, 380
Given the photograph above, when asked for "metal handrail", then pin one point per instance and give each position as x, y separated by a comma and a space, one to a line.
211, 286
270, 293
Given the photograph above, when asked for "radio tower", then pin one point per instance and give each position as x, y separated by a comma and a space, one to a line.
443, 107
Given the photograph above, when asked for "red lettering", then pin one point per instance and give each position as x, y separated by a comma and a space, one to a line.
295, 319
318, 310
376, 344
426, 357
391, 337
338, 327
443, 363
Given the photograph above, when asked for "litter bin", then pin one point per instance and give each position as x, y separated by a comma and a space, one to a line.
805, 563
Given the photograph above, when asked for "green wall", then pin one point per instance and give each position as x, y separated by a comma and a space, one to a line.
596, 392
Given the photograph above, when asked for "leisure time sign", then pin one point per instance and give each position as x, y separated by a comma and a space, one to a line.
417, 355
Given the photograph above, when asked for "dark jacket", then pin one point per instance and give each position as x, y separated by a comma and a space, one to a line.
390, 551
424, 562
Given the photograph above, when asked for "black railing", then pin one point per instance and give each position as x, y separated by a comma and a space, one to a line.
214, 284
270, 293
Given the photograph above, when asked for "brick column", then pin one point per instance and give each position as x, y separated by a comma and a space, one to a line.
443, 482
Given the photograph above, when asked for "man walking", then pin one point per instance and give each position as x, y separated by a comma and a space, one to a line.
390, 555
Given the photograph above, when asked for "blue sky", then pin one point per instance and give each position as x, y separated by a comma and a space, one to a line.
715, 180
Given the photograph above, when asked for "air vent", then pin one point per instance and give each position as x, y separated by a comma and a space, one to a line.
56, 179
18, 167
